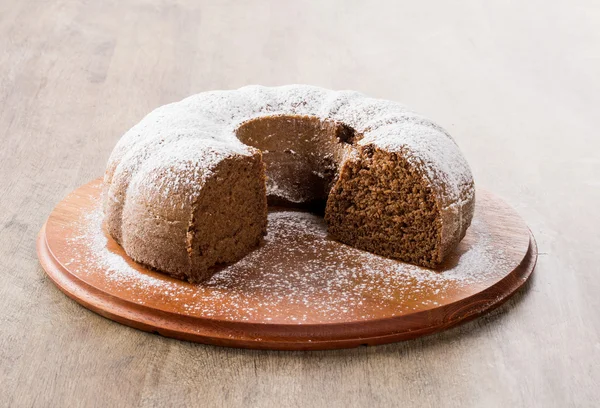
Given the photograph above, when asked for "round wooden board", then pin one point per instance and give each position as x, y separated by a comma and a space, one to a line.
299, 291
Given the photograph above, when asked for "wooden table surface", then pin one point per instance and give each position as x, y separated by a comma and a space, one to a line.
516, 83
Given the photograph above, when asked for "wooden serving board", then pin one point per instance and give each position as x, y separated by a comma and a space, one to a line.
299, 291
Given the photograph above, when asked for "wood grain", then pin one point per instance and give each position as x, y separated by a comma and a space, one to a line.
244, 314
516, 85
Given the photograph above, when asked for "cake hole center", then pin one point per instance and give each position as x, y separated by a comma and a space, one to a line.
301, 154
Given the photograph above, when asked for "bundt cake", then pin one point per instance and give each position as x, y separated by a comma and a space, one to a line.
187, 187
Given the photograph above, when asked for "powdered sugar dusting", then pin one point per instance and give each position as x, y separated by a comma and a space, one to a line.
298, 276
214, 116
175, 174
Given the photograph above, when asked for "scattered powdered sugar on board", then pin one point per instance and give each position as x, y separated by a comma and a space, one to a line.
297, 276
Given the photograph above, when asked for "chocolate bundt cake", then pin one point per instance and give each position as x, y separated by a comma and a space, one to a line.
187, 187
